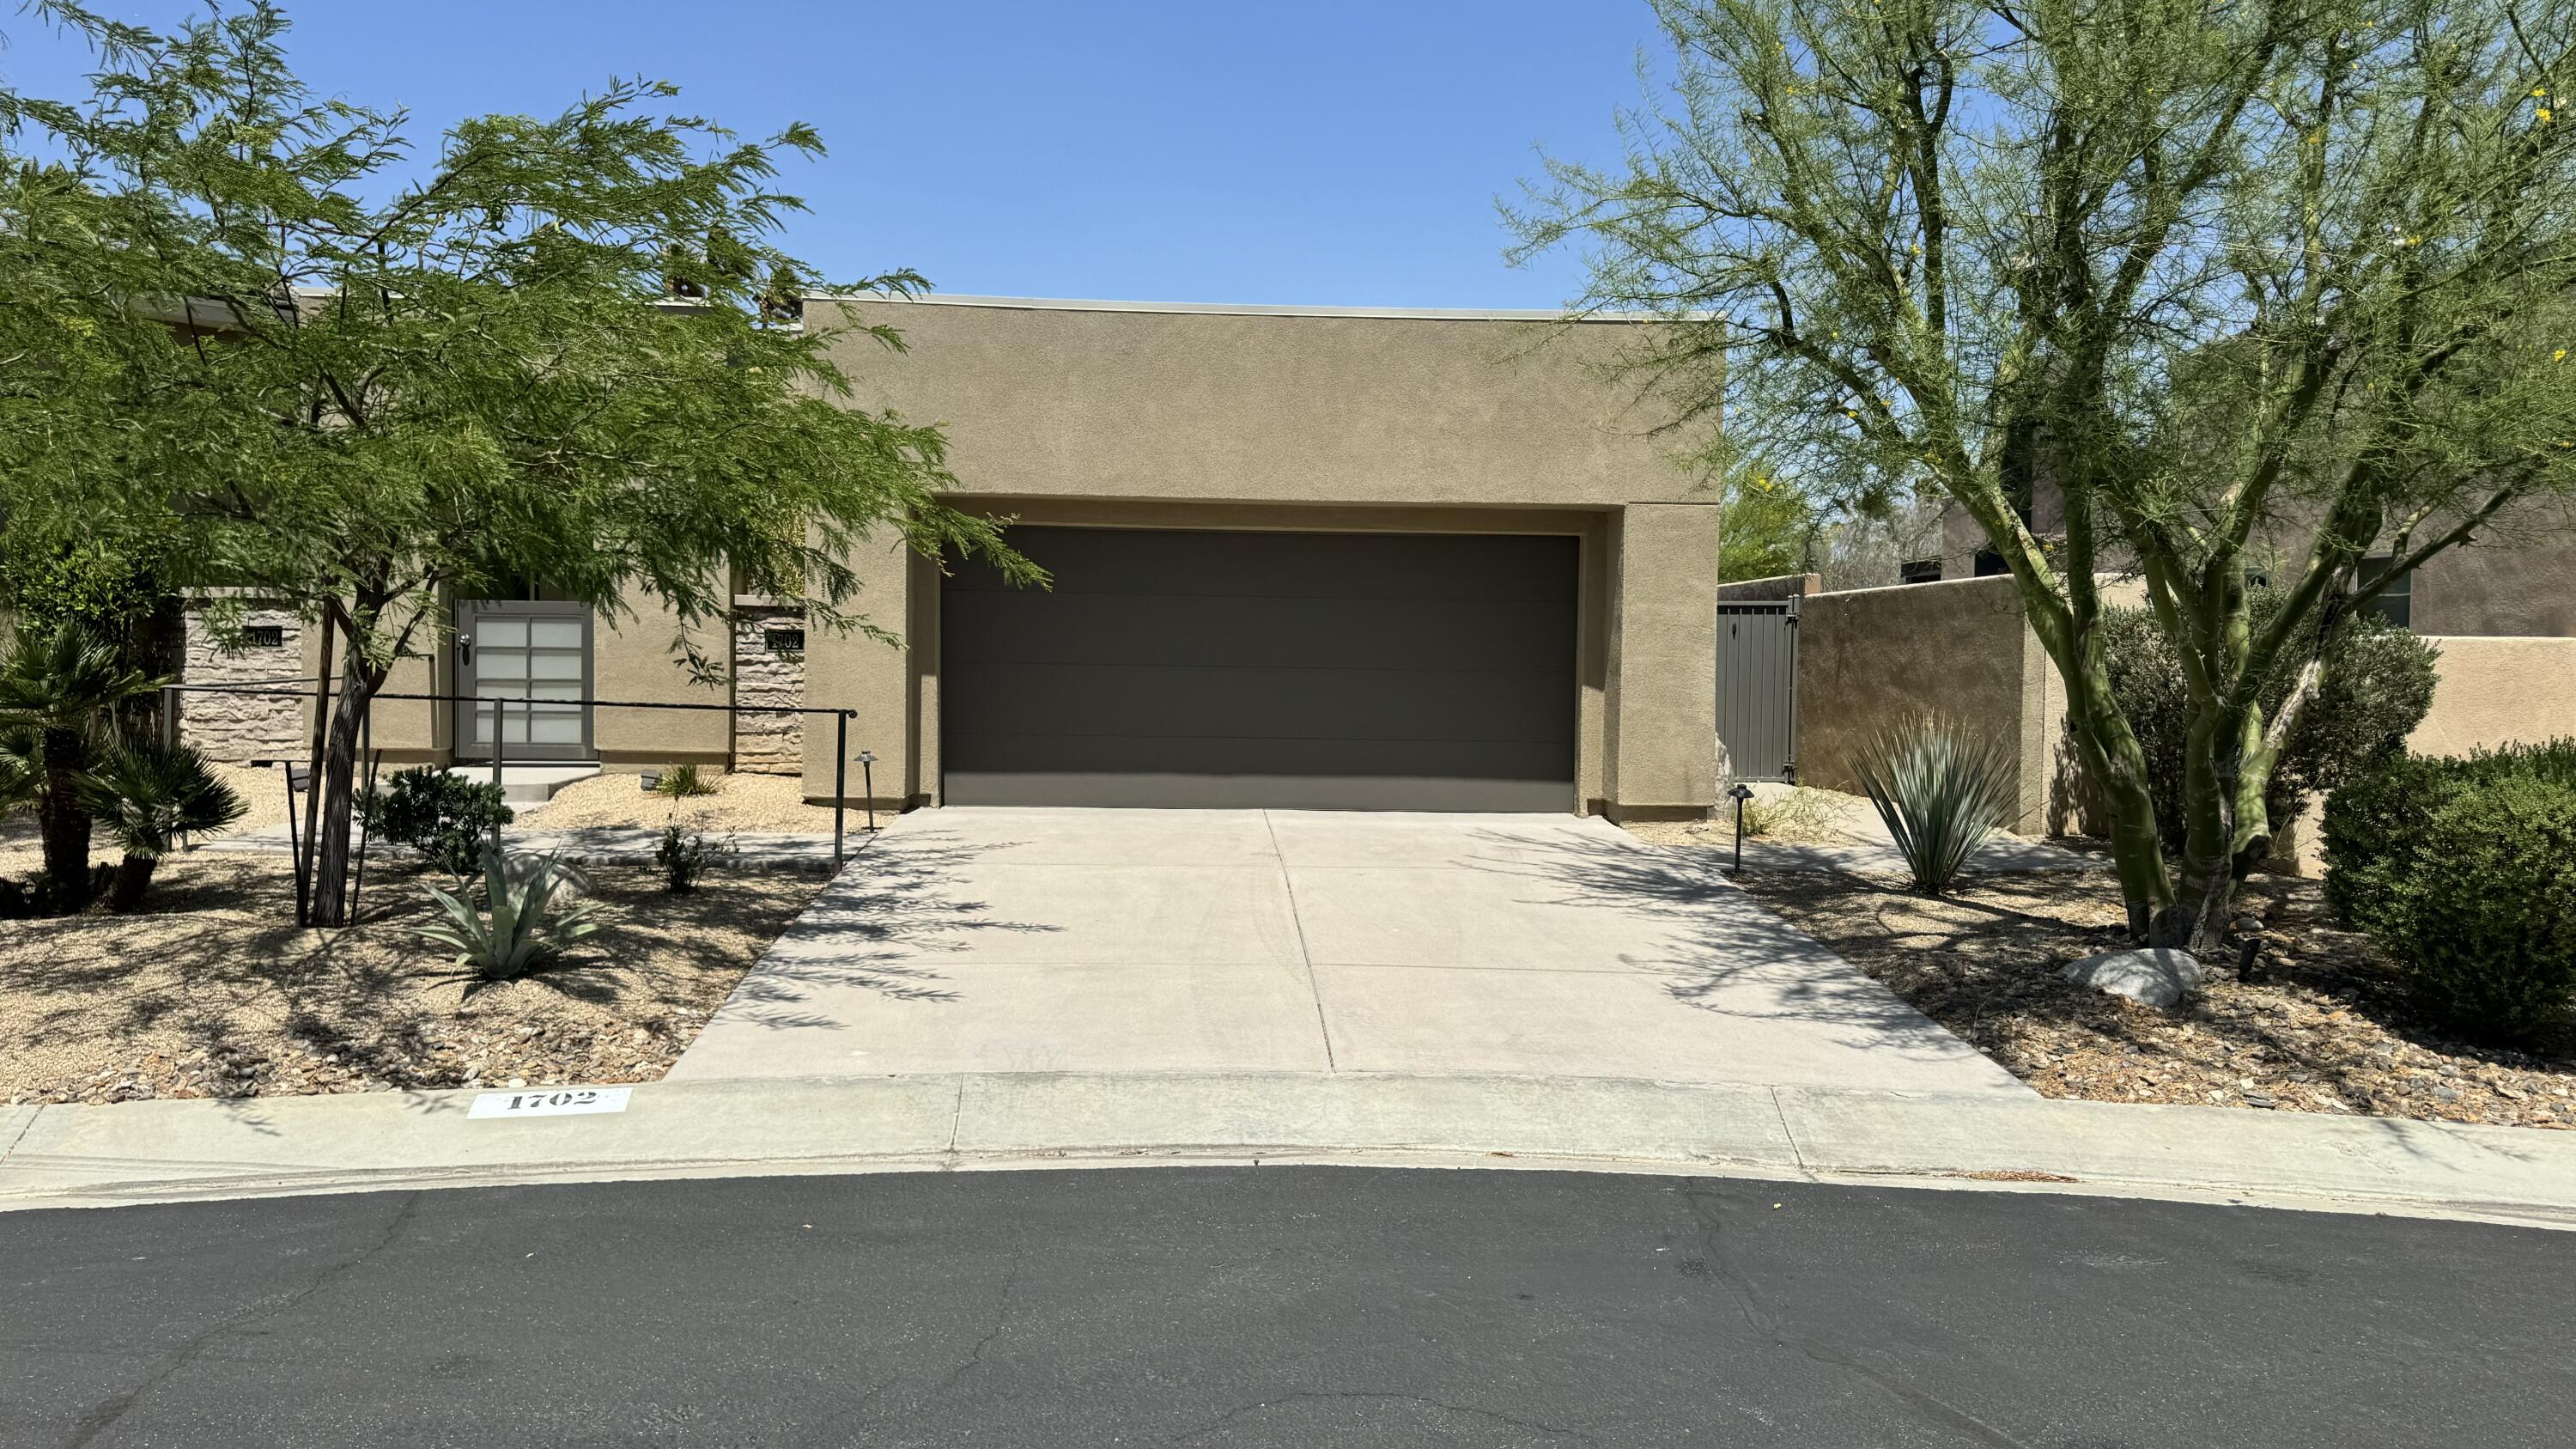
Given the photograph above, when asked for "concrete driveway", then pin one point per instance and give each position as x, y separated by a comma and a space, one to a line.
1010, 940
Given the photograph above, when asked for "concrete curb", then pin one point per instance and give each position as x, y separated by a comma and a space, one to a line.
170, 1151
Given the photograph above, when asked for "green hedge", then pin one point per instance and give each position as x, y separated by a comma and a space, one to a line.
2375, 823
2486, 929
2377, 687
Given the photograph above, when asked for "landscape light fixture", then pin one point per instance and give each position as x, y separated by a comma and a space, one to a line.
652, 780
1739, 794
868, 785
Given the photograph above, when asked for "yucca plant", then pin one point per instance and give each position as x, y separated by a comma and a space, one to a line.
1942, 793
149, 797
537, 913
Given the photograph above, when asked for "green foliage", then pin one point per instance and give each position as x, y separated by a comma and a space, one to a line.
2377, 823
448, 818
2377, 686
2484, 925
1766, 526
537, 913
680, 781
2158, 286
685, 855
110, 593
1941, 793
149, 796
59, 693
361, 371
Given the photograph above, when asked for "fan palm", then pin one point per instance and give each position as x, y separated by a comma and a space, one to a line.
63, 686
150, 797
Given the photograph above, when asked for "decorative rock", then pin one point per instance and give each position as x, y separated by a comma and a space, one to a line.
2162, 976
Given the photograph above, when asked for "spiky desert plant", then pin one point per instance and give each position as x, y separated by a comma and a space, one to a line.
149, 797
1942, 791
536, 914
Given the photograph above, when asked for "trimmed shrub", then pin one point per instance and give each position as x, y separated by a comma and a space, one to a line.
2378, 686
1941, 793
2376, 823
447, 818
2484, 922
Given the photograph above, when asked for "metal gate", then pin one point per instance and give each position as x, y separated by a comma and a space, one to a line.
1757, 689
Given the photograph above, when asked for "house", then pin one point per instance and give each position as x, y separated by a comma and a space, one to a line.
1304, 557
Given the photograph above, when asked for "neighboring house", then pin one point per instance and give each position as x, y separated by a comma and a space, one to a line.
1303, 557
2520, 584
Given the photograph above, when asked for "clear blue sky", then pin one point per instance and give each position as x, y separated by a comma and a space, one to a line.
1320, 152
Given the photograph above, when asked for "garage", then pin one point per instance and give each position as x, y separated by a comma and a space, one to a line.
1193, 668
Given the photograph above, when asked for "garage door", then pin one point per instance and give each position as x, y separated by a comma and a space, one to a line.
1300, 670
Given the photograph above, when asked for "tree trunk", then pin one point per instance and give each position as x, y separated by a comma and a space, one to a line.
2118, 766
335, 791
133, 876
63, 824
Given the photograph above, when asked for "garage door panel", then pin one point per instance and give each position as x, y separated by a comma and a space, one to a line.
1178, 702
1296, 632
1184, 563
1323, 671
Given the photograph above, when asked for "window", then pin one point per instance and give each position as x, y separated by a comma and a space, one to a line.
264, 636
2396, 603
1920, 571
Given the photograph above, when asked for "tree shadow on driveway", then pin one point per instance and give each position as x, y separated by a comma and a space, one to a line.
881, 927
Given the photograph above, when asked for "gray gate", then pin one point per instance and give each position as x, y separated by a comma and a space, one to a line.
1757, 688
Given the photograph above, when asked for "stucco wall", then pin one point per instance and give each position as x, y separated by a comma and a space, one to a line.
2496, 691
1778, 586
1663, 660
1054, 400
1869, 659
2525, 588
640, 659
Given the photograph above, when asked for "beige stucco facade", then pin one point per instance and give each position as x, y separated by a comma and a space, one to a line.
1236, 419
1246, 419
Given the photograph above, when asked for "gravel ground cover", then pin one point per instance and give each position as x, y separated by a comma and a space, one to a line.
740, 802
2320, 1023
212, 991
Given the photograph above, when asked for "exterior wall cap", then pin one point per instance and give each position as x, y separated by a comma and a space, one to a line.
1234, 309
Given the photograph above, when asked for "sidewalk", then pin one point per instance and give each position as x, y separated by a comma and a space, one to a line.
182, 1150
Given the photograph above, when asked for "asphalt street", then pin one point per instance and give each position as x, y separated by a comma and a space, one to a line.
1273, 1306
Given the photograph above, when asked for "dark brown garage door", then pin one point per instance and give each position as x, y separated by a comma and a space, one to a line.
1300, 670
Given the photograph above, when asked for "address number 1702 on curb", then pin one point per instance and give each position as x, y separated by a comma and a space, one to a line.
549, 1102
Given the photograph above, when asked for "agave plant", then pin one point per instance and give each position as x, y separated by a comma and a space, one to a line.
537, 913
149, 797
1942, 793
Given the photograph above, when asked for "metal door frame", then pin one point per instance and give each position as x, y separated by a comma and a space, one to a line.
462, 722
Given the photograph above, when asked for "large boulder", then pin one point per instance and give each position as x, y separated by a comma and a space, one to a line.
2158, 977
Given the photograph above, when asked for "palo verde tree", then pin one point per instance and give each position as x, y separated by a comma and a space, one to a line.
364, 381
2150, 287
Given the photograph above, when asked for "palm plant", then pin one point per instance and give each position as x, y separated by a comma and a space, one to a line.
62, 688
150, 797
537, 913
1942, 794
